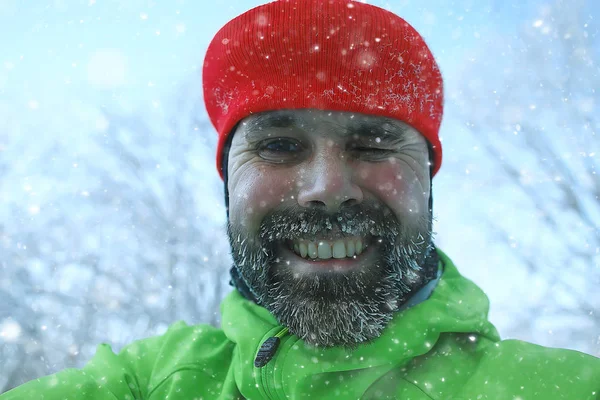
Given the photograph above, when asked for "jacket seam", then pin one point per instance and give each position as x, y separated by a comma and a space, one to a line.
186, 367
131, 372
285, 356
163, 344
91, 378
418, 387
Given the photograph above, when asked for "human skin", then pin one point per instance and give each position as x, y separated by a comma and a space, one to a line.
347, 177
332, 166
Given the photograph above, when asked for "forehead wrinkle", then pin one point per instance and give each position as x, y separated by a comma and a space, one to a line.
269, 120
345, 125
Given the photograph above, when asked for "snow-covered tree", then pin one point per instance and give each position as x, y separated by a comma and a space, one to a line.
531, 105
113, 228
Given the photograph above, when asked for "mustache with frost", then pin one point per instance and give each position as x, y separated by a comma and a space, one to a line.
342, 308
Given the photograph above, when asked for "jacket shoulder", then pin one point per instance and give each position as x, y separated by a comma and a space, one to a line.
139, 369
199, 347
517, 369
469, 367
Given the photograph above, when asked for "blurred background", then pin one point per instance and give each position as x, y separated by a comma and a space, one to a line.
111, 211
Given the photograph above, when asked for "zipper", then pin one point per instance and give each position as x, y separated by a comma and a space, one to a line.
265, 369
269, 348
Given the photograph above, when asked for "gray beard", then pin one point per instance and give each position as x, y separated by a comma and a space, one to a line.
333, 309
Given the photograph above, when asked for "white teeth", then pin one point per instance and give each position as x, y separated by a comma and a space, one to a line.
312, 250
350, 248
303, 249
325, 250
359, 247
339, 249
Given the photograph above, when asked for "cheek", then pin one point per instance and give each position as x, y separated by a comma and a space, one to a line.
398, 187
256, 192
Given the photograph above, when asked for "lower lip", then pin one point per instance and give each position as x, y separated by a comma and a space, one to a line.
330, 264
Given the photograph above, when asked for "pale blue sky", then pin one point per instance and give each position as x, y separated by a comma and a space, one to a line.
114, 53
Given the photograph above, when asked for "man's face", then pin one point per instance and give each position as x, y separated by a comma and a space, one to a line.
328, 219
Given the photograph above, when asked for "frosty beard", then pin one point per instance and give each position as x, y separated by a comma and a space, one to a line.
335, 309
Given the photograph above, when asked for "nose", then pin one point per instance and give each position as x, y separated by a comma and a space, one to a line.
327, 183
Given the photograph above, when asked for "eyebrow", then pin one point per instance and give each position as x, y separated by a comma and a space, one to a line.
385, 129
265, 121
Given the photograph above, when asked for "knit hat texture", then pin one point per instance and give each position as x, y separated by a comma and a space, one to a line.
337, 55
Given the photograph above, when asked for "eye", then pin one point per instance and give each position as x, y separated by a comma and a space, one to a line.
280, 150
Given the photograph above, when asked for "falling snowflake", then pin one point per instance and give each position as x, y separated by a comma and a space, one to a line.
10, 331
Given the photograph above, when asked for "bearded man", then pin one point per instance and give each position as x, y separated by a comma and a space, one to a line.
328, 113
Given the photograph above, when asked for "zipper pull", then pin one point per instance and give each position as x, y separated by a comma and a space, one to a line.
268, 349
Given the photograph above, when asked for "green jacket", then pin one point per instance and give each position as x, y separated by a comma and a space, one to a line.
442, 348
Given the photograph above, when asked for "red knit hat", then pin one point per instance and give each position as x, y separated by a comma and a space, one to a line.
338, 55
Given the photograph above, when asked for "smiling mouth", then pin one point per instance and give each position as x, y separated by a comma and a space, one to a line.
325, 249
